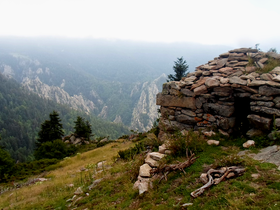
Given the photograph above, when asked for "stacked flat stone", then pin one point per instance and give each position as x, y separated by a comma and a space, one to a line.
206, 97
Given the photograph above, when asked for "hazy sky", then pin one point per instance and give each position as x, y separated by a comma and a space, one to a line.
239, 23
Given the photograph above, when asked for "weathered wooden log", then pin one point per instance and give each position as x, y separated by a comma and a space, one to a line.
221, 174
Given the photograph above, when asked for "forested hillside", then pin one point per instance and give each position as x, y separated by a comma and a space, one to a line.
23, 112
114, 80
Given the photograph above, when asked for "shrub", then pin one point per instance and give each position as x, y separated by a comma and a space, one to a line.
230, 160
130, 153
6, 162
178, 143
56, 149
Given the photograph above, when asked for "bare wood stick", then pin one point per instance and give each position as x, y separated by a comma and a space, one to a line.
222, 173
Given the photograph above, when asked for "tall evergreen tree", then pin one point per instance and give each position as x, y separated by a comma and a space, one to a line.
82, 128
51, 129
180, 68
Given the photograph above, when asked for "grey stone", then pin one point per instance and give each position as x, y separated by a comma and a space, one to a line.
188, 112
276, 79
267, 77
244, 50
225, 111
209, 117
190, 79
151, 162
249, 143
250, 69
268, 91
276, 100
78, 191
173, 125
211, 82
257, 83
259, 122
168, 100
263, 60
224, 55
200, 90
77, 141
221, 63
237, 73
144, 170
198, 73
261, 98
223, 123
273, 84
269, 154
276, 70
187, 119
198, 103
187, 92
156, 156
237, 80
213, 142
95, 183
254, 132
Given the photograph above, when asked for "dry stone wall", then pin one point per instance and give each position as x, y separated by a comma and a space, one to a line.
228, 93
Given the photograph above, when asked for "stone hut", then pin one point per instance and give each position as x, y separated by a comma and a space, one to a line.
237, 91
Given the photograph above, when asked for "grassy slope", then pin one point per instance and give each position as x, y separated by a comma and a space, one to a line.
115, 191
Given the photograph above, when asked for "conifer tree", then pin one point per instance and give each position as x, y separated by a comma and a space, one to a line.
51, 129
82, 128
180, 68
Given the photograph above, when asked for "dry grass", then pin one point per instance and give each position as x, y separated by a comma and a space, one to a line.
55, 189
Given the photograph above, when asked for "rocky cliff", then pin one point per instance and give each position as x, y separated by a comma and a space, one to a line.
239, 91
58, 95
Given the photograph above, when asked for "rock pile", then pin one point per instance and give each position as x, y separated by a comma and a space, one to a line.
75, 140
144, 181
227, 93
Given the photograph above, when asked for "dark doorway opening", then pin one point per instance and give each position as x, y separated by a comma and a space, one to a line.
242, 110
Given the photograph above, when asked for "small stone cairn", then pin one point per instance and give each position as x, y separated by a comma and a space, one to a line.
144, 181
206, 98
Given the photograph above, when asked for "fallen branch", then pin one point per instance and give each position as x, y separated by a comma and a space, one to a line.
164, 170
216, 176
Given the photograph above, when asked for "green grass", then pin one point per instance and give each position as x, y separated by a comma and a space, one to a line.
115, 191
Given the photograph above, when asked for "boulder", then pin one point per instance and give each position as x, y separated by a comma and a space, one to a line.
269, 154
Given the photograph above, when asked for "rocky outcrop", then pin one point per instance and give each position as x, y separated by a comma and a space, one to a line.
145, 111
58, 95
226, 93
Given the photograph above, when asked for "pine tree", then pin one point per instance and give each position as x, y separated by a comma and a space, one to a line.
51, 129
180, 68
82, 128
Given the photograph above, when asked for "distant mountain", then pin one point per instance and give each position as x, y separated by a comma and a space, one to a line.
115, 80
22, 113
